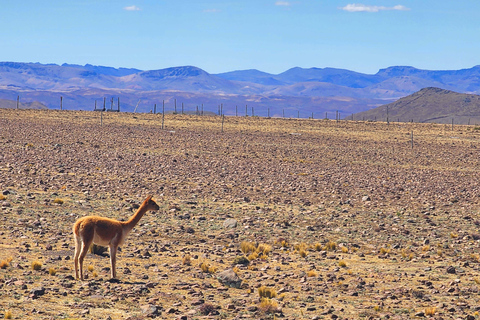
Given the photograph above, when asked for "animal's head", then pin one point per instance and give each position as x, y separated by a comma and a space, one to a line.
151, 205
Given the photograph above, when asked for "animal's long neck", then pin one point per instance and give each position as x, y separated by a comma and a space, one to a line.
132, 222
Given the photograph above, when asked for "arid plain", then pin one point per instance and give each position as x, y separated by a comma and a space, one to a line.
319, 219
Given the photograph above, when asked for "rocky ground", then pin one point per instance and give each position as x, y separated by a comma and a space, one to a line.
259, 218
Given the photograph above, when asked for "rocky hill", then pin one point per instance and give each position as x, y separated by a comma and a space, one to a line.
429, 105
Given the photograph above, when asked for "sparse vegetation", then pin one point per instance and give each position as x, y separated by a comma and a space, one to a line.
416, 199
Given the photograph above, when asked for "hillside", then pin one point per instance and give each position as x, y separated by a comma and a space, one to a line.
429, 105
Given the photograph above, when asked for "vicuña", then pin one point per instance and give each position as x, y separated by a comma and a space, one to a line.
105, 232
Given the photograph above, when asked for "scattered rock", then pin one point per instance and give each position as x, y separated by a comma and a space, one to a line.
229, 278
230, 223
451, 270
151, 311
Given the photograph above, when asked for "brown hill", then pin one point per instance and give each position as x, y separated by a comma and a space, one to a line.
429, 105
11, 104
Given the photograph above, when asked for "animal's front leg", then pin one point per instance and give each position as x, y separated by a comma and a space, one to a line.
113, 260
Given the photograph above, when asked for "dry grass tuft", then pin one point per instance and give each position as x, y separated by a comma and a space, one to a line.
430, 311
331, 246
8, 314
247, 247
266, 292
187, 260
36, 265
206, 268
5, 263
52, 271
268, 306
312, 273
58, 201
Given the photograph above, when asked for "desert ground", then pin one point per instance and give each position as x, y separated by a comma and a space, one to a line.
259, 218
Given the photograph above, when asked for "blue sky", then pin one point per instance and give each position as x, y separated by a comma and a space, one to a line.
221, 36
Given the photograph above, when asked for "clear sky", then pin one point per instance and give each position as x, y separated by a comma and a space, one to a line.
220, 36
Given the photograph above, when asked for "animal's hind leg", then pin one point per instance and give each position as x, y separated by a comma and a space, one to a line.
86, 243
78, 245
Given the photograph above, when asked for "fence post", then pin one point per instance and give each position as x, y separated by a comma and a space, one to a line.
18, 101
61, 103
163, 114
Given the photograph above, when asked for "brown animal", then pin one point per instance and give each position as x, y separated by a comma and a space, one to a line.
105, 232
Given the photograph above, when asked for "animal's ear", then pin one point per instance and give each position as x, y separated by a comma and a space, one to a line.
149, 198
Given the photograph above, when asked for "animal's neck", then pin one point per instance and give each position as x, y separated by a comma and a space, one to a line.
132, 222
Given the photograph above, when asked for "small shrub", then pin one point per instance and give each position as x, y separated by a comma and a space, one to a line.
303, 253
318, 247
384, 250
8, 315
268, 306
300, 246
94, 274
98, 250
58, 201
453, 235
207, 268
264, 249
266, 292
312, 273
240, 260
247, 247
36, 265
52, 271
430, 311
90, 268
331, 246
207, 309
4, 264
376, 308
344, 249
342, 264
2, 197
426, 248
253, 256
187, 260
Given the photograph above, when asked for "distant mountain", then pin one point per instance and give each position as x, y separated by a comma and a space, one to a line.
297, 90
429, 105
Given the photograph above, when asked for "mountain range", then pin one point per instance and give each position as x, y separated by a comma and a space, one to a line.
316, 92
